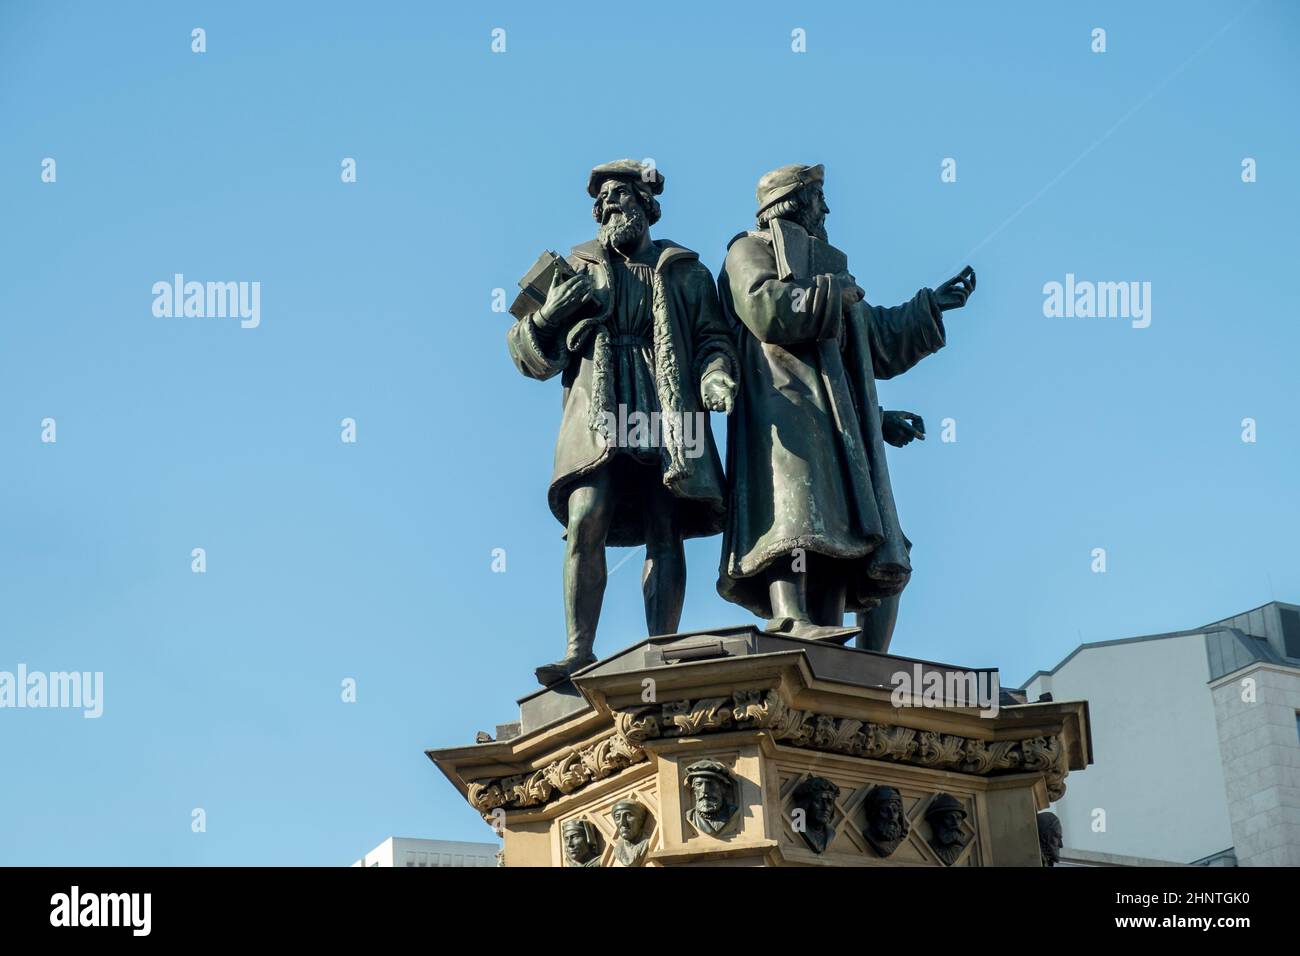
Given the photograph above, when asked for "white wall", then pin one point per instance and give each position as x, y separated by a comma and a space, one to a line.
1157, 771
1261, 763
409, 851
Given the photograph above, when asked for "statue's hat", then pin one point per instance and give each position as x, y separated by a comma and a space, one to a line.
779, 183
626, 169
707, 768
586, 826
944, 803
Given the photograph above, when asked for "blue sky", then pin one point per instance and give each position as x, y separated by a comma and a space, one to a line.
372, 560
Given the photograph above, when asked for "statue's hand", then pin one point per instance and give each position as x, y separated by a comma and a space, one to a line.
850, 292
718, 390
899, 428
563, 299
954, 293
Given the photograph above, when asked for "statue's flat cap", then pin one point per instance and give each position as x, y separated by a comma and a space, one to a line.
944, 803
627, 170
707, 768
779, 183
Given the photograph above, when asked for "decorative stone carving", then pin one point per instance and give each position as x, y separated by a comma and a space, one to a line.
1050, 837
887, 825
713, 796
764, 709
816, 797
683, 718
948, 836
633, 840
581, 843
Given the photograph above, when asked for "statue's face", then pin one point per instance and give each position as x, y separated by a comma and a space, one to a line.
888, 816
708, 794
949, 827
814, 212
629, 821
1050, 839
576, 845
822, 807
622, 220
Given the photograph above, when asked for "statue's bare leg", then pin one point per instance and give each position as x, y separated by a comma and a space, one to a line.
591, 508
663, 579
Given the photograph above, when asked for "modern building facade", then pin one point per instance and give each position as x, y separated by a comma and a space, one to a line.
1196, 736
406, 851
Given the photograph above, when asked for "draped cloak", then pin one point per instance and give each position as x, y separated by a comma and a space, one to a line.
805, 453
689, 337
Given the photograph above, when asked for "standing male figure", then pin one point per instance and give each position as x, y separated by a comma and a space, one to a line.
637, 334
812, 529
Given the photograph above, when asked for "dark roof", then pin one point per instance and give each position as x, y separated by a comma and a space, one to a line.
1228, 648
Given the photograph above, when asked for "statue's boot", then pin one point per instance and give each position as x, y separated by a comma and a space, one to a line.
577, 656
808, 631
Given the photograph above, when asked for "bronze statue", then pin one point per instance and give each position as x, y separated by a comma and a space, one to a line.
581, 843
1050, 837
632, 843
812, 530
713, 796
816, 797
886, 821
633, 327
948, 836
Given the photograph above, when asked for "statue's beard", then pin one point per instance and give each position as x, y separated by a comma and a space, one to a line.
814, 226
891, 829
623, 230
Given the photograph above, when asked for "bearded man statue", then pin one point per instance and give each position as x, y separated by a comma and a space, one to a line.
637, 336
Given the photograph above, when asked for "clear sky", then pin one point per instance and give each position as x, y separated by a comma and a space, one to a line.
372, 561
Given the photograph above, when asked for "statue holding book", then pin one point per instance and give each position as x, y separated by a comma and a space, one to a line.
633, 328
812, 530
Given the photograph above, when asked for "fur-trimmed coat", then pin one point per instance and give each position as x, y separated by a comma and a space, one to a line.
805, 453
691, 338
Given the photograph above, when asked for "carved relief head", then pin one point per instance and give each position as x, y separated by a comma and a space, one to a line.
816, 797
713, 795
629, 818
581, 843
886, 820
1050, 837
948, 836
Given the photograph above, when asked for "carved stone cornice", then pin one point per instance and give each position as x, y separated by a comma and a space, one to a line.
764, 709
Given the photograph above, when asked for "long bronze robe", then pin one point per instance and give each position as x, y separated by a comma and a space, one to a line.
690, 338
805, 455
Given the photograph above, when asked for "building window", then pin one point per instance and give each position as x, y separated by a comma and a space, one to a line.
1290, 631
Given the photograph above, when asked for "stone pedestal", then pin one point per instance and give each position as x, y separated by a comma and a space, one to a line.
740, 748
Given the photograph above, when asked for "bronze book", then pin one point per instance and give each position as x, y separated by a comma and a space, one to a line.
537, 282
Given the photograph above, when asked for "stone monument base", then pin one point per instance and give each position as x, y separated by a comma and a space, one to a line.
741, 748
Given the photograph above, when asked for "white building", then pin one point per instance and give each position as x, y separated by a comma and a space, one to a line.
406, 851
1196, 736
